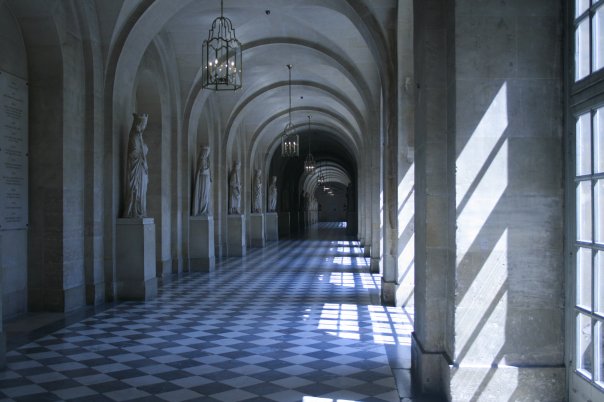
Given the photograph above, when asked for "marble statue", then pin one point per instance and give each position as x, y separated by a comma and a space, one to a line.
235, 190
137, 170
257, 201
272, 195
203, 185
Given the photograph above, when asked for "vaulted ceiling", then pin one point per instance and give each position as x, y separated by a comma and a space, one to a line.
336, 47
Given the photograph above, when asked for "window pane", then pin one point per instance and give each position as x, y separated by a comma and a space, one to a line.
582, 50
584, 210
583, 144
599, 283
597, 40
599, 366
584, 278
584, 345
599, 207
580, 7
599, 141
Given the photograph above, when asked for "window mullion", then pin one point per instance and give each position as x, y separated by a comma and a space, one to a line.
591, 15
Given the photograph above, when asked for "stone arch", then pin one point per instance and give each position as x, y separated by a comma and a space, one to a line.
154, 91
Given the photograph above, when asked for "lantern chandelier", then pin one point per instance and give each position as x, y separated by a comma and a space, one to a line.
321, 178
309, 163
290, 145
221, 56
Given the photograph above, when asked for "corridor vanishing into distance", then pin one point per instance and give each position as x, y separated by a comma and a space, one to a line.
299, 320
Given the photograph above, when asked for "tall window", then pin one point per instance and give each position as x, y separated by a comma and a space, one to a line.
589, 37
589, 246
586, 181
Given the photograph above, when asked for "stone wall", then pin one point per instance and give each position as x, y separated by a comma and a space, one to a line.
509, 215
489, 258
13, 243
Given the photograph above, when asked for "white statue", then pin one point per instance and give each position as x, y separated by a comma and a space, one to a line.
272, 195
257, 201
137, 170
203, 184
235, 190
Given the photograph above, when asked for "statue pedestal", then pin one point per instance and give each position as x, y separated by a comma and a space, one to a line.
135, 260
272, 226
257, 238
201, 243
284, 229
236, 235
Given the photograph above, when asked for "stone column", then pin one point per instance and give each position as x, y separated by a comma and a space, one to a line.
399, 170
376, 201
236, 242
201, 243
272, 226
257, 228
135, 260
433, 270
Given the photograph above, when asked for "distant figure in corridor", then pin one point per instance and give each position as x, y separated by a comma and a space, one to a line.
203, 184
257, 203
235, 190
272, 195
137, 170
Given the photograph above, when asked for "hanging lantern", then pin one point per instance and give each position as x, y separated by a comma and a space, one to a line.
221, 56
309, 162
320, 178
290, 144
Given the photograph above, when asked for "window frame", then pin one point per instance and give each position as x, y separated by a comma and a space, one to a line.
581, 96
593, 75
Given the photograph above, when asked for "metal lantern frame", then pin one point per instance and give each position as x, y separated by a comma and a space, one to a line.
290, 141
221, 56
309, 162
320, 178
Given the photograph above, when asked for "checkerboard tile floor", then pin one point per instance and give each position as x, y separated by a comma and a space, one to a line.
298, 320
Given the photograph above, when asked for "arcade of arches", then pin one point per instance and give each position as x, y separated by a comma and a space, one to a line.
442, 128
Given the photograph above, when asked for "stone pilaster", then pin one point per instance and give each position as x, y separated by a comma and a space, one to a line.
236, 236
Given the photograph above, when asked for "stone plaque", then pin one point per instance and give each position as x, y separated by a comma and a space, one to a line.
13, 152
